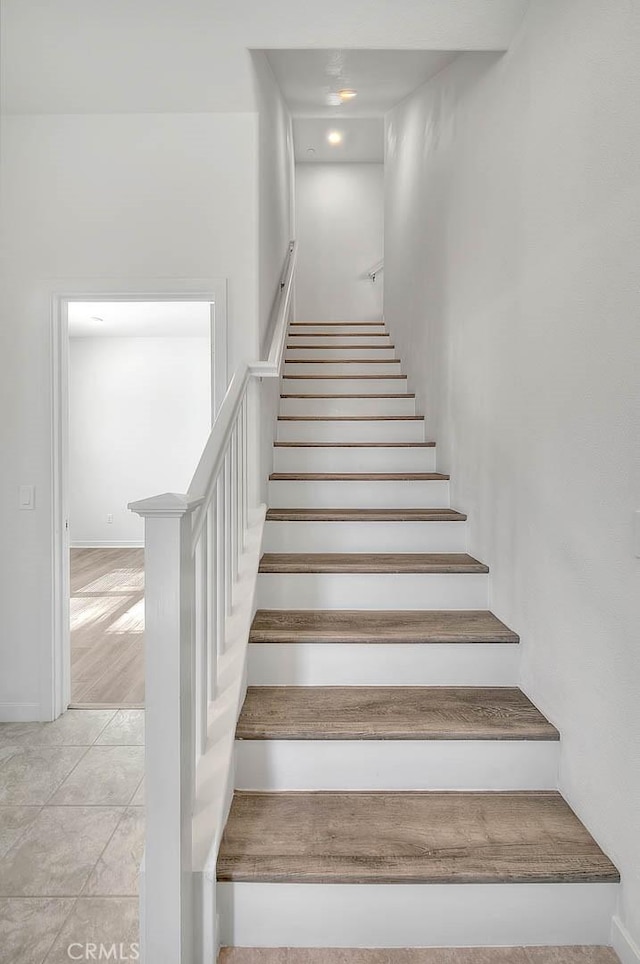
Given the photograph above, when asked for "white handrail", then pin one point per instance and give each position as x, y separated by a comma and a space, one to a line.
376, 270
281, 316
193, 549
212, 458
213, 454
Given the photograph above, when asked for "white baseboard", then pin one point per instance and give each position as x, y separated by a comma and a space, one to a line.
89, 544
19, 712
623, 943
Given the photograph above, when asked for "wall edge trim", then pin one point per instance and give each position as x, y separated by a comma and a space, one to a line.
623, 943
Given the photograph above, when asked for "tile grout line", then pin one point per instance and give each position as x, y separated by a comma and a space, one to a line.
102, 852
124, 808
39, 808
58, 932
47, 803
42, 806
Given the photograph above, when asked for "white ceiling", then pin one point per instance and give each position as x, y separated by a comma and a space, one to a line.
118, 56
309, 78
139, 319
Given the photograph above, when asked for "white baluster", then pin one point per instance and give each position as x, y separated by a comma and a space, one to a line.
233, 459
221, 611
228, 536
245, 472
238, 496
241, 470
212, 594
201, 649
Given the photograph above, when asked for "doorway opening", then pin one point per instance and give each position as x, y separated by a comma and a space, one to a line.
139, 383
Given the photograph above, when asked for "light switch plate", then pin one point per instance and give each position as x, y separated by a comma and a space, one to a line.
27, 497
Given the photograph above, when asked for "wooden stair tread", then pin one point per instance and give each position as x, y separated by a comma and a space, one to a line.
379, 626
354, 445
339, 347
342, 361
358, 477
371, 562
364, 515
409, 837
578, 954
347, 376
391, 713
295, 324
352, 395
351, 418
337, 334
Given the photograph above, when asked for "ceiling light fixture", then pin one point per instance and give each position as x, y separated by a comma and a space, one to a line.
347, 93
334, 137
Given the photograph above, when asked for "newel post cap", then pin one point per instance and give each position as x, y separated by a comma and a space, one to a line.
170, 505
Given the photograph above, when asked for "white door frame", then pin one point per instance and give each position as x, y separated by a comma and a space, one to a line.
55, 682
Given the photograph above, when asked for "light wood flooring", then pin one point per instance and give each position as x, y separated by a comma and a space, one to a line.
107, 627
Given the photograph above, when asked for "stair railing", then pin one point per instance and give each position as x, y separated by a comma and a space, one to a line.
377, 269
193, 548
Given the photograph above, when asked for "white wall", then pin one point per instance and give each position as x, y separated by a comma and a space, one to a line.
139, 417
275, 188
512, 275
339, 222
95, 204
276, 216
150, 172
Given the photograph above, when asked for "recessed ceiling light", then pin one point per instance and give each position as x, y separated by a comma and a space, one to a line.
334, 137
347, 93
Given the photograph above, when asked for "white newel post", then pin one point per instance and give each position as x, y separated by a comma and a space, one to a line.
167, 914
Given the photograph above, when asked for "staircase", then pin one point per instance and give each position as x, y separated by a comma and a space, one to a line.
394, 786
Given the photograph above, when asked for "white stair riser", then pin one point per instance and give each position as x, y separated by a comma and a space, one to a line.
365, 537
348, 406
359, 495
364, 590
313, 340
341, 386
352, 430
416, 915
339, 354
346, 328
383, 664
392, 459
396, 764
313, 367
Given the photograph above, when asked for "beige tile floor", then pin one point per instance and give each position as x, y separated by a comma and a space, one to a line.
71, 835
